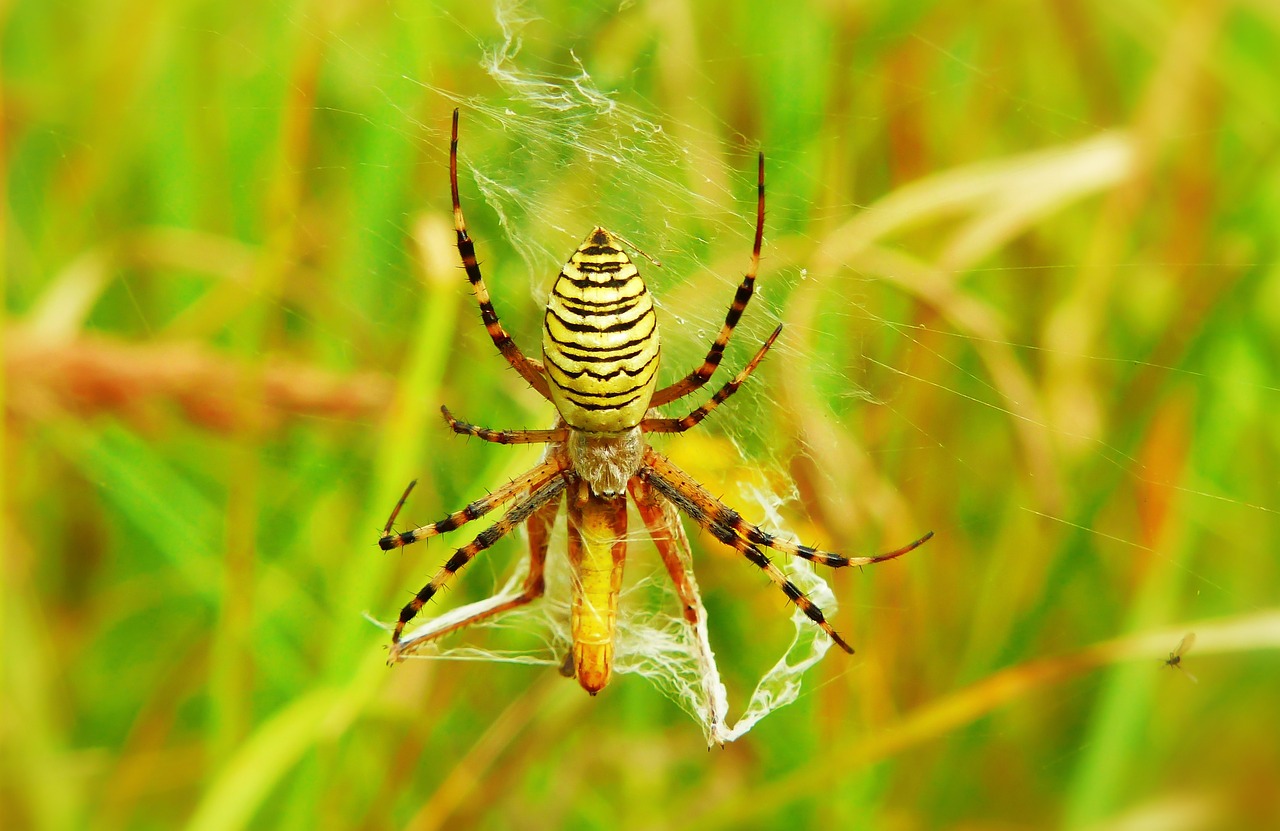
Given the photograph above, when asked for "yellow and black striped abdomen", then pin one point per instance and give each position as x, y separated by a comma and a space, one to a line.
600, 339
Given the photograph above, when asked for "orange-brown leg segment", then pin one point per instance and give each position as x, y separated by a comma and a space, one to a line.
702, 374
663, 521
696, 504
679, 425
726, 525
597, 552
530, 370
504, 436
544, 493
664, 533
539, 527
529, 481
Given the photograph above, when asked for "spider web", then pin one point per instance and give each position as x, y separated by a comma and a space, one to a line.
692, 227
947, 295
651, 641
551, 153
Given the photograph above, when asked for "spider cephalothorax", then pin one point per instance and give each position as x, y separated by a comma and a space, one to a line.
600, 354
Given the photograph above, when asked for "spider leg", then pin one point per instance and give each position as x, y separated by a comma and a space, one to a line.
532, 480
679, 425
395, 512
726, 521
530, 370
505, 436
539, 528
668, 536
699, 505
518, 514
703, 373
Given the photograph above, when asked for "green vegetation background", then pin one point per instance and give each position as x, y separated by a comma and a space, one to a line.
230, 319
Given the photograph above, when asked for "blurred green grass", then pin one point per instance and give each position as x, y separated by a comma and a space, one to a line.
1039, 239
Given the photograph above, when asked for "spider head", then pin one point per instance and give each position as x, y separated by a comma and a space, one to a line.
606, 460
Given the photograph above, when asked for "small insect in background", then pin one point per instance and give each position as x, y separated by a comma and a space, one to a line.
1175, 657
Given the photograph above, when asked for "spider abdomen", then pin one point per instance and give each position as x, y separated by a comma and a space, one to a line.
600, 339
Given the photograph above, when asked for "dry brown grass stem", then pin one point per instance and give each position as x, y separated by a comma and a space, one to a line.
91, 375
1260, 630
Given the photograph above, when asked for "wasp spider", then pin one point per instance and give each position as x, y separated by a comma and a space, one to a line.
599, 368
